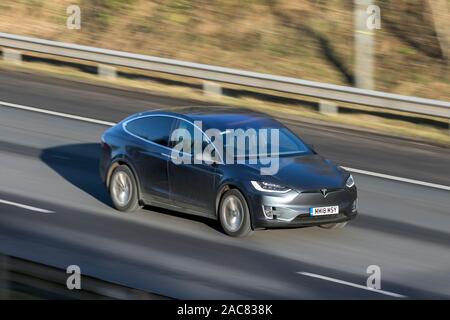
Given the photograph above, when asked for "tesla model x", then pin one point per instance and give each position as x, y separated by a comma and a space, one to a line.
280, 183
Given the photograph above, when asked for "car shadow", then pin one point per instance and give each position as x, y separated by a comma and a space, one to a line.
79, 165
213, 224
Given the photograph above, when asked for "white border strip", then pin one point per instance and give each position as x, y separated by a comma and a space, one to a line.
106, 123
23, 206
350, 284
386, 176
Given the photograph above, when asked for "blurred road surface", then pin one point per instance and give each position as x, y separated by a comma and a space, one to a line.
54, 210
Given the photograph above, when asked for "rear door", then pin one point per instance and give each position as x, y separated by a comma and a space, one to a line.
151, 153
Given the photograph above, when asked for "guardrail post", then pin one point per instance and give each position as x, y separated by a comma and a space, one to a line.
12, 56
212, 89
328, 107
106, 72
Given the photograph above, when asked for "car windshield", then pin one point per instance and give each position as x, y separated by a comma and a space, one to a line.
265, 142
258, 136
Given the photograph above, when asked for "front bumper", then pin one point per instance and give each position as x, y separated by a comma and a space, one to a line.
292, 209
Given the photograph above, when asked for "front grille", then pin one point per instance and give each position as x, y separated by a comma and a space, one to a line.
305, 217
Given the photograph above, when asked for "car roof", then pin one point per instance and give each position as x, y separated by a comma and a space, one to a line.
217, 116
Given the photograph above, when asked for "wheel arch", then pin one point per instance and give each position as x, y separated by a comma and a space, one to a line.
228, 186
119, 162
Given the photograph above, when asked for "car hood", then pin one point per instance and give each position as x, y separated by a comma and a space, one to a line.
306, 172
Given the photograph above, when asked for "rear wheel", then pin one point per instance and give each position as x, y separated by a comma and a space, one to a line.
123, 190
339, 225
234, 214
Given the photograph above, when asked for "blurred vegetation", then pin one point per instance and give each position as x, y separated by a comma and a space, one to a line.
311, 39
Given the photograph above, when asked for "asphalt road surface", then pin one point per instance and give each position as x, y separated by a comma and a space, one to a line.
54, 210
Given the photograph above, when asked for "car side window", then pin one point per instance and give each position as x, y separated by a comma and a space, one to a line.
154, 128
188, 142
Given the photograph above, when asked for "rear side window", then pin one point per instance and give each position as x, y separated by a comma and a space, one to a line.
154, 128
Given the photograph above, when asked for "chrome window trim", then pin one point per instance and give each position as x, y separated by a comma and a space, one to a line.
125, 123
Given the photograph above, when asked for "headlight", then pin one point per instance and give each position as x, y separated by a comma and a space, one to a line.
350, 182
269, 187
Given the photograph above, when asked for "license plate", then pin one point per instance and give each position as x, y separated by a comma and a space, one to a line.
323, 211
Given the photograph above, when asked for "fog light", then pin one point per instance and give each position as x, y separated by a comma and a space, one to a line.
268, 211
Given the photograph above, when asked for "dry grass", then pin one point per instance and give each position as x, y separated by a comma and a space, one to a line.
282, 37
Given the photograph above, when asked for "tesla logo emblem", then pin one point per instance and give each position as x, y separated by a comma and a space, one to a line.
324, 192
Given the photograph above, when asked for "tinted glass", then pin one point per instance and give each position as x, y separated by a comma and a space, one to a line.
155, 128
286, 144
188, 140
261, 143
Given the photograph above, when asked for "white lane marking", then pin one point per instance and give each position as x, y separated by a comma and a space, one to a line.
386, 176
57, 114
71, 116
318, 276
23, 206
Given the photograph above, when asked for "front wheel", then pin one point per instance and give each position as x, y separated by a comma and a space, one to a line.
123, 190
234, 214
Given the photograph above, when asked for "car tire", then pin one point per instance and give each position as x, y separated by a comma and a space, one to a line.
338, 225
123, 190
234, 214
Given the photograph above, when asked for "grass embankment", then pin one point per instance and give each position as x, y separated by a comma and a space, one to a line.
310, 39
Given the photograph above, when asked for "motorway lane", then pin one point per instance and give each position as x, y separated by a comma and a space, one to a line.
51, 163
354, 149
